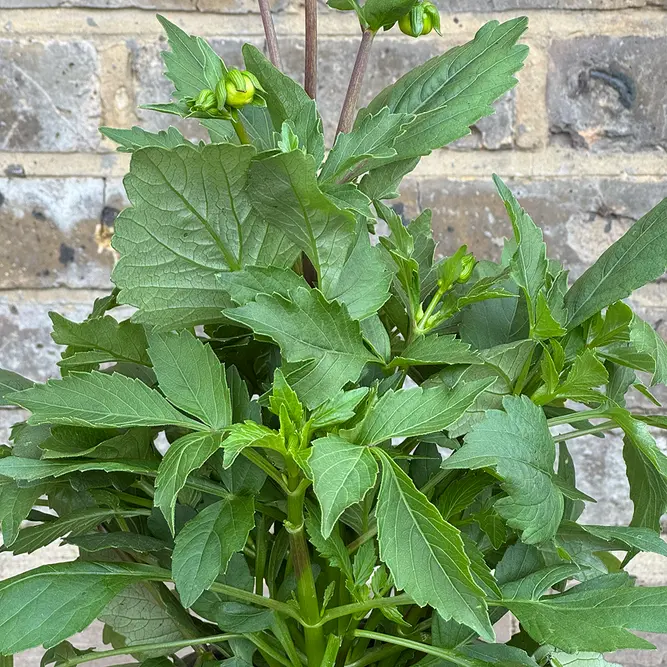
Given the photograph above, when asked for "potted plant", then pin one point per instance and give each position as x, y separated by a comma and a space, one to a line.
291, 454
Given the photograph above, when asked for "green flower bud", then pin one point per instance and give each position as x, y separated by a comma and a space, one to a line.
420, 20
205, 101
240, 88
456, 269
468, 263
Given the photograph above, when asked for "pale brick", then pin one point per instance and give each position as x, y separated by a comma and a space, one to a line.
25, 330
49, 96
51, 223
603, 94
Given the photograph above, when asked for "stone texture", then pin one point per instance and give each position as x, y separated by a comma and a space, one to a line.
580, 219
223, 6
52, 224
49, 96
500, 5
602, 93
389, 60
25, 330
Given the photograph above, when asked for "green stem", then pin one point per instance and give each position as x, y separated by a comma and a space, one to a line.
282, 633
374, 656
305, 583
135, 500
261, 601
442, 653
260, 554
573, 417
6, 661
605, 426
143, 648
239, 129
359, 607
267, 650
255, 457
423, 320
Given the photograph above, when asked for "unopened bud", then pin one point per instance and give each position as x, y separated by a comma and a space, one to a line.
205, 101
468, 263
240, 88
420, 20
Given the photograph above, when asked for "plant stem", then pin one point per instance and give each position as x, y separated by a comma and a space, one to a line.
239, 129
260, 551
354, 88
605, 426
141, 648
310, 77
305, 583
270, 33
375, 655
574, 417
359, 607
443, 653
6, 661
260, 600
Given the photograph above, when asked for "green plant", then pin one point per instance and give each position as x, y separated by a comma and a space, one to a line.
304, 509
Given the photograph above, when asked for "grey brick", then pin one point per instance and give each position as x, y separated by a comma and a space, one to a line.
25, 331
100, 4
500, 5
602, 93
51, 223
49, 96
9, 417
390, 59
580, 219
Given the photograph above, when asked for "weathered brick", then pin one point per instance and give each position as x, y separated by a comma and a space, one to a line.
501, 5
52, 223
390, 59
25, 330
602, 92
102, 4
580, 219
49, 96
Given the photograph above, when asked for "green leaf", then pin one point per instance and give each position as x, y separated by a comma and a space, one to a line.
339, 409
12, 382
436, 350
192, 64
15, 505
283, 400
518, 444
451, 92
192, 377
244, 286
587, 372
32, 470
637, 258
424, 553
529, 261
307, 327
343, 473
132, 140
382, 182
75, 441
371, 139
643, 539
250, 434
594, 620
99, 400
133, 542
184, 456
580, 659
381, 13
206, 543
284, 191
190, 219
53, 602
646, 340
242, 618
287, 101
648, 488
416, 411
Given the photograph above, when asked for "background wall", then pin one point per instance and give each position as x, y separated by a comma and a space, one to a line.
582, 141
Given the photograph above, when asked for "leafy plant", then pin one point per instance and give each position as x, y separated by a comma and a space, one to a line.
309, 449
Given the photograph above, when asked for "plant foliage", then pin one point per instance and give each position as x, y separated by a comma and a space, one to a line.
310, 448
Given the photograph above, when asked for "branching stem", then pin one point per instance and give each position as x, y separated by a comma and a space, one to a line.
270, 33
310, 78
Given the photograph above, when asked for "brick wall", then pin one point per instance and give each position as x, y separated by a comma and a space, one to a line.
582, 140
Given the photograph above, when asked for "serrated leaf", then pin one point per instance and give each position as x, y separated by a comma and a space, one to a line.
243, 286
637, 258
307, 327
250, 434
135, 138
451, 92
332, 547
343, 473
192, 64
183, 457
436, 350
614, 538
587, 372
32, 470
116, 540
580, 659
287, 101
648, 488
53, 602
190, 219
75, 441
574, 621
339, 409
382, 182
191, 377
534, 585
242, 618
10, 383
416, 411
99, 400
518, 444
646, 340
381, 13
371, 139
425, 554
15, 505
284, 192
206, 543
